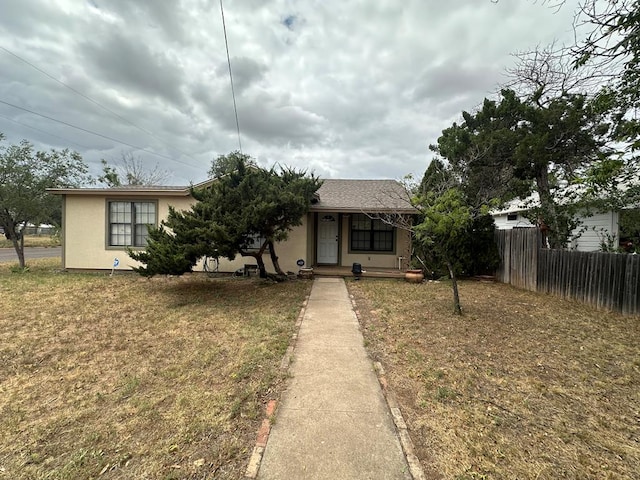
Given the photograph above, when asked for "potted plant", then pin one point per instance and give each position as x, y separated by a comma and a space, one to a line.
414, 275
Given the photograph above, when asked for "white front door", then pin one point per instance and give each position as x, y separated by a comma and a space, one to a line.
328, 238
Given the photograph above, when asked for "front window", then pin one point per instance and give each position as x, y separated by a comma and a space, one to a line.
128, 222
255, 242
370, 234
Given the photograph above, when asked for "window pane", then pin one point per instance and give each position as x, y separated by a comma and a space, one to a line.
380, 225
359, 221
145, 213
254, 242
360, 240
141, 235
383, 241
120, 234
119, 212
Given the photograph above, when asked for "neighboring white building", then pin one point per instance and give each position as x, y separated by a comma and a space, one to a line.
595, 229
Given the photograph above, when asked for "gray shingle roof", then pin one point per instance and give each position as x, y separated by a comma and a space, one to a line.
334, 195
362, 196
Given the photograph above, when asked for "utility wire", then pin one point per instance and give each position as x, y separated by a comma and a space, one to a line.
45, 132
95, 102
95, 133
233, 93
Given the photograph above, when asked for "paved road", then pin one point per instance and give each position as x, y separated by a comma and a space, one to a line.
9, 254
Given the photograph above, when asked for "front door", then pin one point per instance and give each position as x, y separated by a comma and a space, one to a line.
328, 239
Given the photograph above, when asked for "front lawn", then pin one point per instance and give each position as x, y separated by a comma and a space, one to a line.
123, 377
522, 386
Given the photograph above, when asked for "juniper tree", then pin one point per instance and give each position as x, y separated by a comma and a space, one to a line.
513, 146
243, 204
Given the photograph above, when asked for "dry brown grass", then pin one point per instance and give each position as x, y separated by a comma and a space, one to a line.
522, 386
126, 377
33, 241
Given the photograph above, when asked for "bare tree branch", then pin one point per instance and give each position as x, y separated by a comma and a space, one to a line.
545, 73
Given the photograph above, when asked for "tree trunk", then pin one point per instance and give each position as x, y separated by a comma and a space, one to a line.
17, 239
274, 259
261, 267
457, 309
547, 204
258, 256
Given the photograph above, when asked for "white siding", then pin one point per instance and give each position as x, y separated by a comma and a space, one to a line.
595, 229
502, 223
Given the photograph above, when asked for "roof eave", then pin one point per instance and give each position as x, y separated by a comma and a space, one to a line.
317, 208
120, 193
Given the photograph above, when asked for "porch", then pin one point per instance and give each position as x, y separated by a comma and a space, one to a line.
336, 271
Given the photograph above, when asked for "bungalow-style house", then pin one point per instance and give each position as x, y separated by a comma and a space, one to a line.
589, 236
340, 229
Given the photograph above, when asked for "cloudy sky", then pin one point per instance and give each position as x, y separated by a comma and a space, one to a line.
346, 89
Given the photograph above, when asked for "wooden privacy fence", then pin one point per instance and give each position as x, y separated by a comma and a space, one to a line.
518, 250
605, 280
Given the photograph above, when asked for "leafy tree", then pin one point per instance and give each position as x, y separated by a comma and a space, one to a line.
25, 176
629, 221
130, 170
243, 204
614, 44
476, 249
513, 146
110, 175
437, 178
225, 164
448, 232
445, 220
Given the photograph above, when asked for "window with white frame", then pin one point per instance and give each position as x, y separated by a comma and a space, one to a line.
255, 242
370, 234
128, 222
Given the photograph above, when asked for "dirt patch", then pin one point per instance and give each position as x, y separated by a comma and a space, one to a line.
126, 377
522, 386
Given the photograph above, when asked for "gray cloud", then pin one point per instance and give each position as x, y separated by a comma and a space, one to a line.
169, 16
126, 62
347, 89
246, 72
262, 116
454, 79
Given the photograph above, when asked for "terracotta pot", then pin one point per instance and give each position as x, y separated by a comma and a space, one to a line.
414, 276
306, 273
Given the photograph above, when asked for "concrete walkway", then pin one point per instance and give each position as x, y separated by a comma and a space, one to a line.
333, 421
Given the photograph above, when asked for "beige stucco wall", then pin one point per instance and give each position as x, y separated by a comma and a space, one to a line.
85, 231
85, 237
288, 253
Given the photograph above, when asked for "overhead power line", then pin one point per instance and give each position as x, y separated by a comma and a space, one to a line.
95, 102
44, 131
233, 93
137, 147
